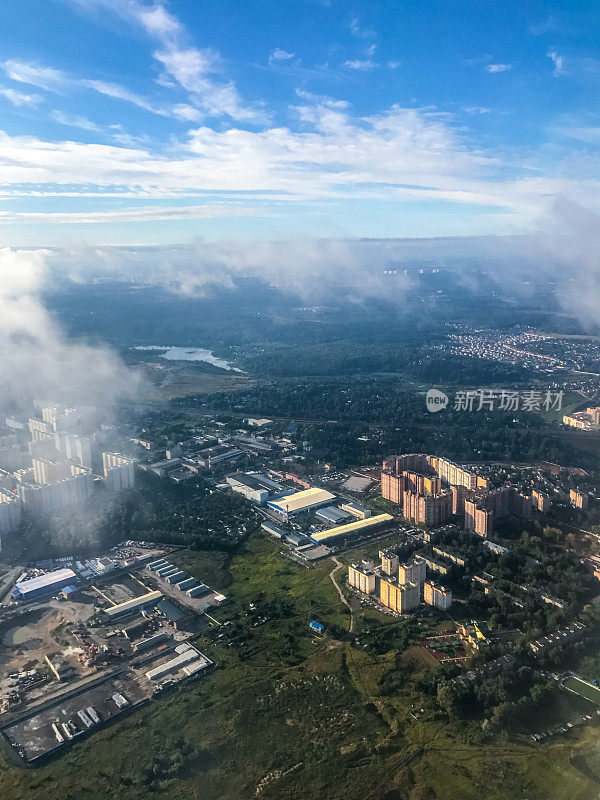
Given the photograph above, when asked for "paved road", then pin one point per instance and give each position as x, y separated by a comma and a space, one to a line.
339, 566
8, 581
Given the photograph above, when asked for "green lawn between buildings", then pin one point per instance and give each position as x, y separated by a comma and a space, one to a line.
283, 717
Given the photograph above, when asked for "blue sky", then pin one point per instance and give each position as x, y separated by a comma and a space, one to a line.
127, 122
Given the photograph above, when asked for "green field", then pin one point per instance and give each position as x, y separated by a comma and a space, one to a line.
580, 687
285, 715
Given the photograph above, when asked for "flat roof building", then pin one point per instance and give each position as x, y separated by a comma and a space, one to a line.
44, 584
355, 509
362, 576
306, 500
332, 514
135, 604
358, 526
400, 597
436, 595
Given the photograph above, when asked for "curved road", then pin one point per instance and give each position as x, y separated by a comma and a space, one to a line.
339, 566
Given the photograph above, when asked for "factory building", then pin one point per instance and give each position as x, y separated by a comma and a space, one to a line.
351, 528
273, 529
134, 605
44, 584
299, 502
362, 576
436, 595
188, 659
255, 487
356, 510
332, 515
149, 642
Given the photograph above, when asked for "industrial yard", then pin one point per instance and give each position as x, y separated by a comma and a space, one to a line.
81, 646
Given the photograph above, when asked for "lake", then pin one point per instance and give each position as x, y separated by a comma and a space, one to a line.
190, 354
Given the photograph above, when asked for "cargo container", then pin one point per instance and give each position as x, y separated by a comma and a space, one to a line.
85, 719
59, 737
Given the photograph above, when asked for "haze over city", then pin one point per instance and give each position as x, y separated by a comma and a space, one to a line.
299, 400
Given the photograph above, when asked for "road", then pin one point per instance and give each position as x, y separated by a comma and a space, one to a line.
8, 581
339, 566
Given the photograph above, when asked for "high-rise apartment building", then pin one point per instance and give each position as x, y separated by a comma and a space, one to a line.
119, 471
10, 511
412, 572
400, 597
578, 499
47, 471
47, 498
361, 576
434, 594
429, 510
389, 562
541, 501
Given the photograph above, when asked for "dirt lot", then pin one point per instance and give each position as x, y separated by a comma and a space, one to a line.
38, 632
34, 736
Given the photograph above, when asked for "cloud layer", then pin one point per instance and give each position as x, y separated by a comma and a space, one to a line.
37, 361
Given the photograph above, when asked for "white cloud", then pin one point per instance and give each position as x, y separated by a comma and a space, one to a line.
362, 33
400, 155
53, 80
75, 121
189, 67
20, 98
394, 64
36, 358
477, 110
558, 61
146, 214
362, 65
494, 68
118, 92
280, 55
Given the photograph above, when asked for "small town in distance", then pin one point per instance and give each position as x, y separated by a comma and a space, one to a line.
420, 539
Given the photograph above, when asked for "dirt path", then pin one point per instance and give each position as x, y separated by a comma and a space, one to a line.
339, 566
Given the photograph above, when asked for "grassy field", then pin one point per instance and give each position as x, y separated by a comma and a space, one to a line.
285, 715
188, 382
589, 692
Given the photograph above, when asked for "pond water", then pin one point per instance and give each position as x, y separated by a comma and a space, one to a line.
190, 354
